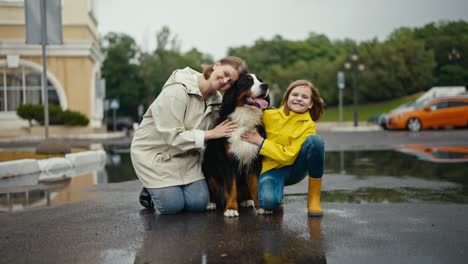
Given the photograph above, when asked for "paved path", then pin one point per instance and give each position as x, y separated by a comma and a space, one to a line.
110, 227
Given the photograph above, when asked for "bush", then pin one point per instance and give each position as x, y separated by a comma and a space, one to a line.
56, 115
74, 118
30, 112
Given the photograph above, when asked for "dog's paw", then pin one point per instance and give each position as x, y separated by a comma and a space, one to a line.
211, 207
262, 211
231, 213
247, 203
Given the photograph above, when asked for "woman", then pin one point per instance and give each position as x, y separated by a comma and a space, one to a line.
165, 150
291, 148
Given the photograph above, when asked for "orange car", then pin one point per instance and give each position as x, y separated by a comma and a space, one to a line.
432, 112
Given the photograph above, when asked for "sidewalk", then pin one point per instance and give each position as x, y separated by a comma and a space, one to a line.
347, 127
95, 136
111, 227
321, 126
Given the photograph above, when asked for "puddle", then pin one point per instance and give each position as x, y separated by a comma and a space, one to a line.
411, 173
408, 174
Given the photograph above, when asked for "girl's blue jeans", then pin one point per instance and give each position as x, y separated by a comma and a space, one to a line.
174, 199
309, 161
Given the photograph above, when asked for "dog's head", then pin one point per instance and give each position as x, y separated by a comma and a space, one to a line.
249, 89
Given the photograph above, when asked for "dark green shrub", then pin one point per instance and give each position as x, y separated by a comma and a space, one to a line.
30, 112
56, 115
74, 118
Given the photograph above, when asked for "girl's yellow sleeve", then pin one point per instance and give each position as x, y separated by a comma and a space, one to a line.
285, 155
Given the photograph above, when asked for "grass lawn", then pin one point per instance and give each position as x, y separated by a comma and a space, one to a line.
365, 111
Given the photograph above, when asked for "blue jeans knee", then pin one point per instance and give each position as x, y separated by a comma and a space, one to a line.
270, 190
196, 196
315, 155
174, 199
270, 201
168, 200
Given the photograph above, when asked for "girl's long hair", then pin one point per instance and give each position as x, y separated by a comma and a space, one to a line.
318, 104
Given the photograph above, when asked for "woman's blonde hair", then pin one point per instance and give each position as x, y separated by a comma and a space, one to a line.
237, 63
318, 104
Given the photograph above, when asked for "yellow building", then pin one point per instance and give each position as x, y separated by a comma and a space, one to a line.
73, 68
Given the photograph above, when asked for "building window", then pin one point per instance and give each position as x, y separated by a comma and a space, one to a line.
22, 85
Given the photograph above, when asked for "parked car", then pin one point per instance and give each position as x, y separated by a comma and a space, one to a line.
383, 118
432, 112
123, 123
434, 92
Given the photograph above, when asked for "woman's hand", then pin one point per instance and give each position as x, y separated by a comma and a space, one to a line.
252, 137
224, 129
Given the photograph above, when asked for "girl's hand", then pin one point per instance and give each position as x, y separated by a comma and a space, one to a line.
252, 137
224, 129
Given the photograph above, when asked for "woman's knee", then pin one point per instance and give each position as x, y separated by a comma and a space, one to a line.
197, 196
197, 202
169, 206
167, 200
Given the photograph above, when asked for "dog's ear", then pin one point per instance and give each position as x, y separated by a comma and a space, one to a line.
229, 100
268, 100
246, 81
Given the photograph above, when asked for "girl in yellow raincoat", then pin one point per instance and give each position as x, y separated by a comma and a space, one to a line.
291, 149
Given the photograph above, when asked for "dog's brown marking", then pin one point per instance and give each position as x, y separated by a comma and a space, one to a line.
231, 197
252, 182
242, 95
213, 185
227, 147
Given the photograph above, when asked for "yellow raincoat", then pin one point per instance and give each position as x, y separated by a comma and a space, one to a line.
284, 137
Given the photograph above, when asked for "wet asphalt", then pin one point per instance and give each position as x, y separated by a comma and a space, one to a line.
112, 228
109, 226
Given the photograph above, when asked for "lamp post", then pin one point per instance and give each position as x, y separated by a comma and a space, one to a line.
354, 65
454, 56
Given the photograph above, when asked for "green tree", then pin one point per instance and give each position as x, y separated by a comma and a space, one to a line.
122, 73
399, 66
157, 66
442, 38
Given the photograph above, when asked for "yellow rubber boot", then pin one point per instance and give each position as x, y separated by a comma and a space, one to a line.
313, 201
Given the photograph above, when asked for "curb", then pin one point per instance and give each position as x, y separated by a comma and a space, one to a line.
347, 127
48, 169
78, 136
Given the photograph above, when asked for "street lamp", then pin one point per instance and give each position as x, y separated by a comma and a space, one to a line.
354, 65
454, 56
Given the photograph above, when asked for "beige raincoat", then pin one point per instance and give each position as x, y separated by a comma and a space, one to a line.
167, 147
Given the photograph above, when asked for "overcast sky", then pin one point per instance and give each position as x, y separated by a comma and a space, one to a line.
212, 26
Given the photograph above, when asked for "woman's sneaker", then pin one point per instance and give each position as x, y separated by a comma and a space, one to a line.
145, 199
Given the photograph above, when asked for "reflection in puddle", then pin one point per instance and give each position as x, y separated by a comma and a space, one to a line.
119, 167
47, 193
284, 237
350, 176
118, 256
30, 183
450, 154
395, 176
57, 186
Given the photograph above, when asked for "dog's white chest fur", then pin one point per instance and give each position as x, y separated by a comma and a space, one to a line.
247, 118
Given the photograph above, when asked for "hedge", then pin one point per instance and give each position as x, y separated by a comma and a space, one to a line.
56, 115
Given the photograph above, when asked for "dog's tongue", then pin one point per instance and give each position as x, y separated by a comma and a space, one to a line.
261, 102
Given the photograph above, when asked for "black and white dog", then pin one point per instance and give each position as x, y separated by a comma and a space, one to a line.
232, 166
